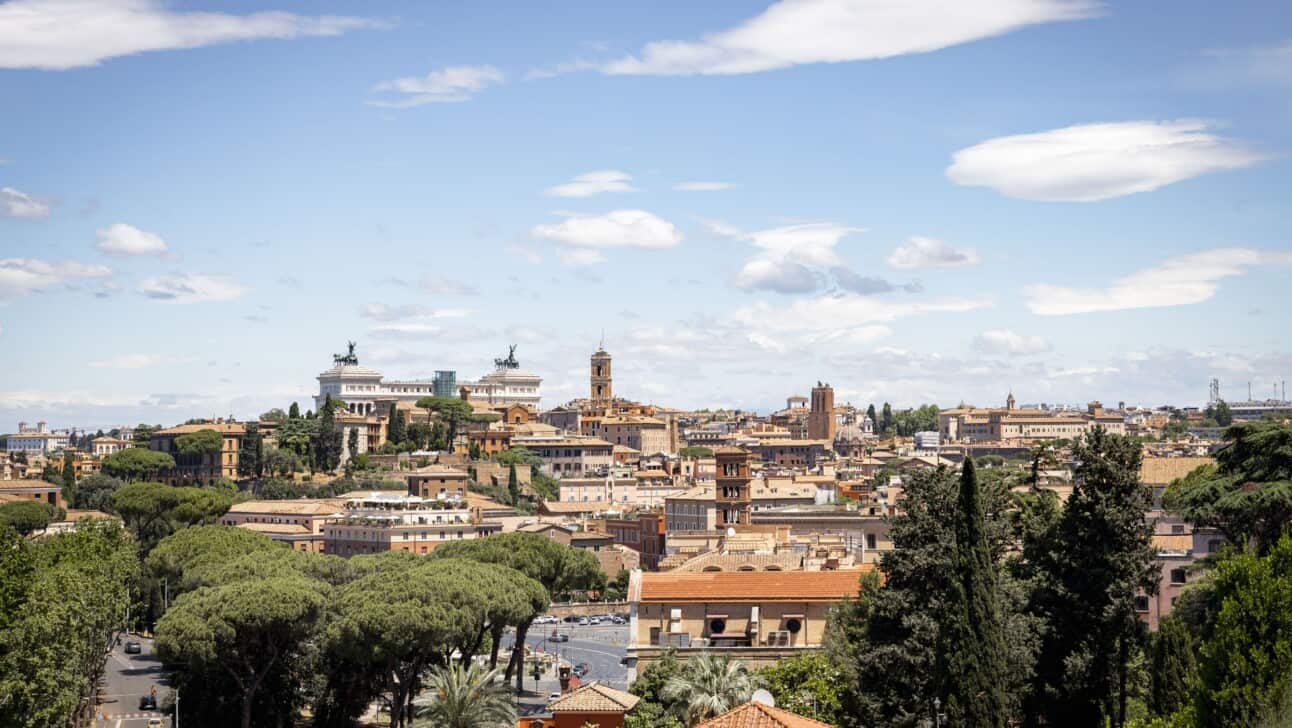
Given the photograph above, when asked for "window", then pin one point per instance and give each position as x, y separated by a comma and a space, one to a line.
1178, 576
1141, 603
871, 541
1177, 529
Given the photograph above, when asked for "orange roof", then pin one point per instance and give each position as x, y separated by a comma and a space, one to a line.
594, 698
751, 586
757, 715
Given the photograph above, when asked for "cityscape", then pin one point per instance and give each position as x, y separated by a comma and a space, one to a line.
760, 364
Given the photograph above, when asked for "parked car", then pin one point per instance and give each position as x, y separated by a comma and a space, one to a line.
134, 648
594, 620
617, 620
560, 636
583, 621
147, 702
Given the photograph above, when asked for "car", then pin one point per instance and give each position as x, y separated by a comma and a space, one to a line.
616, 619
134, 648
147, 702
560, 637
594, 620
571, 619
155, 723
583, 621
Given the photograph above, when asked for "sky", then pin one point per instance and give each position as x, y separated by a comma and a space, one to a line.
914, 201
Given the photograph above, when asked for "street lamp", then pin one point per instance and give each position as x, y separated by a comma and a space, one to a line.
939, 718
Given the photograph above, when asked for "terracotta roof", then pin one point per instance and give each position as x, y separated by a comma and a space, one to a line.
281, 528
757, 715
1161, 471
303, 507
225, 428
751, 586
594, 698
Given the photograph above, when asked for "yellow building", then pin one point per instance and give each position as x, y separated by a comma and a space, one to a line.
757, 616
206, 467
973, 424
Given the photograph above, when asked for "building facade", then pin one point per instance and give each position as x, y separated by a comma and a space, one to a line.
971, 424
38, 440
821, 422
202, 467
382, 521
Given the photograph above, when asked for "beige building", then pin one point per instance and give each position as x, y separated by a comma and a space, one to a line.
386, 521
691, 510
570, 456
647, 435
206, 467
756, 616
437, 482
297, 523
972, 424
107, 445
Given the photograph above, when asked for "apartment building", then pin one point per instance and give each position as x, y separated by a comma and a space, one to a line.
107, 445
570, 456
437, 482
385, 521
296, 523
757, 616
38, 440
201, 467
972, 424
645, 534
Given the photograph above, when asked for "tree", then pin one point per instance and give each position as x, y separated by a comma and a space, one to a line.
975, 649
1173, 676
94, 493
297, 436
1247, 650
352, 443
134, 464
143, 435
513, 484
1247, 494
275, 415
69, 477
708, 685
806, 684
153, 510
281, 462
518, 455
1090, 566
294, 412
251, 453
327, 439
468, 697
26, 516
451, 410
243, 629
200, 443
886, 419
874, 419
695, 451
398, 426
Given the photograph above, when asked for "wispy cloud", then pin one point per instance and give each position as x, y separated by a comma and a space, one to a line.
583, 237
62, 34
19, 204
798, 258
184, 288
20, 276
1091, 162
594, 183
796, 32
1176, 281
702, 186
385, 312
137, 361
921, 252
451, 84
123, 239
1004, 341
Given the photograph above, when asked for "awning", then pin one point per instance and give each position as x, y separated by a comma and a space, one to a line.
729, 636
715, 616
793, 616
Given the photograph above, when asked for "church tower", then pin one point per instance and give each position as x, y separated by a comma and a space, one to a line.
1009, 401
821, 423
601, 390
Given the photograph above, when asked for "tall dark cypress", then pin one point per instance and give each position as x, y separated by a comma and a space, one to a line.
1174, 673
974, 645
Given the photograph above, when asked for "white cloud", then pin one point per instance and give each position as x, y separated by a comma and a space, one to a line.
405, 330
525, 253
190, 288
1091, 162
19, 276
384, 312
586, 235
824, 314
63, 34
792, 259
123, 239
921, 252
782, 276
136, 361
446, 85
1004, 341
1267, 64
702, 186
795, 32
594, 183
1176, 281
15, 203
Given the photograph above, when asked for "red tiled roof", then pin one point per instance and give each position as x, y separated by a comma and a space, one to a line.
752, 586
594, 698
757, 715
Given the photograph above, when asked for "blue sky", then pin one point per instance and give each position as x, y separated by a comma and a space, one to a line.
201, 202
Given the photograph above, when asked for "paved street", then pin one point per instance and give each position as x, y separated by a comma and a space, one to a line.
601, 647
126, 679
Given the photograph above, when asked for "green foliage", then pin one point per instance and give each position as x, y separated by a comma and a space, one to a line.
134, 464
708, 685
695, 451
451, 410
197, 444
251, 453
908, 422
649, 685
1221, 413
1173, 676
282, 462
519, 455
513, 485
467, 697
61, 598
95, 492
296, 436
153, 510
25, 516
352, 443
275, 414
143, 435
973, 645
885, 423
327, 438
1090, 565
651, 715
546, 487
1247, 495
294, 411
397, 428
1247, 651
807, 684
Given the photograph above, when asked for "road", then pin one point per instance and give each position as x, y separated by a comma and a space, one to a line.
602, 647
126, 678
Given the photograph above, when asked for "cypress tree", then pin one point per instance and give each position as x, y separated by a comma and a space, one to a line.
874, 418
513, 484
398, 426
1174, 672
974, 646
294, 412
887, 418
327, 441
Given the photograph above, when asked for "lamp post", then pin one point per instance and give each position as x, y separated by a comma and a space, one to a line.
939, 718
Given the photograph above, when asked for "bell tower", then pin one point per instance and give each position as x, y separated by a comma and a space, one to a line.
602, 390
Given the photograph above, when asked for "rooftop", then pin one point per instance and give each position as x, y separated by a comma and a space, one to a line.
751, 586
1161, 471
757, 715
594, 698
224, 428
300, 507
